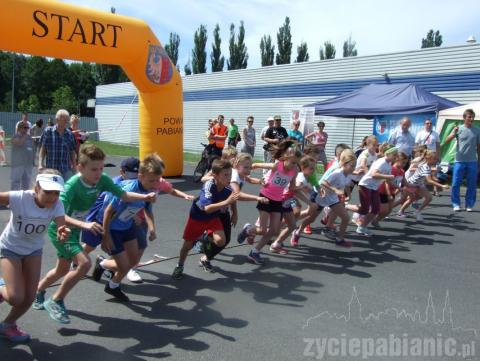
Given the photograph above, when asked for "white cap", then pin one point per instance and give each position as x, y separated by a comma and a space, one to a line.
270, 119
50, 182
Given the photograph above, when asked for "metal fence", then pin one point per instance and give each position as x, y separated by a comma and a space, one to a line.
8, 121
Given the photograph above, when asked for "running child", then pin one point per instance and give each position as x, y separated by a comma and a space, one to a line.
368, 186
388, 191
80, 194
415, 184
333, 188
282, 175
242, 168
215, 196
301, 190
119, 237
21, 245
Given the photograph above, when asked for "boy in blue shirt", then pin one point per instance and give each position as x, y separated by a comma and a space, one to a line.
119, 238
215, 195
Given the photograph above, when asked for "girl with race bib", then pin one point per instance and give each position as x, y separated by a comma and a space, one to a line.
21, 245
282, 175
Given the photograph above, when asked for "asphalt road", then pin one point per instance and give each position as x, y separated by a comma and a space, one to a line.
411, 282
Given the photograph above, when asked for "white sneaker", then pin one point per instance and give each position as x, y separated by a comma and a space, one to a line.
469, 209
419, 216
457, 209
363, 231
134, 277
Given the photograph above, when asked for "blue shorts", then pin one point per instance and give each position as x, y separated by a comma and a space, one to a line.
141, 235
91, 239
121, 237
6, 253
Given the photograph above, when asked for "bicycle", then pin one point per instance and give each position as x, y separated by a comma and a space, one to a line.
205, 163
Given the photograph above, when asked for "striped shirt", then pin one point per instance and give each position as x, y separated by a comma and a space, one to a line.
418, 178
58, 148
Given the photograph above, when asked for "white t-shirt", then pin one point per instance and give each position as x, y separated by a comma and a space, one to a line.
24, 233
370, 159
429, 139
236, 178
301, 181
336, 179
383, 167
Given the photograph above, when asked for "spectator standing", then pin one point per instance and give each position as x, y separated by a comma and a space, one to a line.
23, 121
233, 134
402, 139
58, 147
294, 133
219, 135
50, 122
275, 134
466, 161
428, 137
319, 139
22, 158
266, 147
249, 139
79, 135
36, 133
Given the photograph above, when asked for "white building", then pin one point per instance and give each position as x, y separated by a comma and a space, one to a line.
451, 72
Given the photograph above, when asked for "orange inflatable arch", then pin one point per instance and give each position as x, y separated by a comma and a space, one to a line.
59, 30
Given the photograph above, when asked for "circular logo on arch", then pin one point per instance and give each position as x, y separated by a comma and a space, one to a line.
159, 68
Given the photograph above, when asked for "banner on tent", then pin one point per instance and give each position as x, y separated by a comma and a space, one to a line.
385, 124
306, 117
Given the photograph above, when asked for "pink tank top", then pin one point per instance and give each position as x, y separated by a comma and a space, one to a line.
277, 182
320, 137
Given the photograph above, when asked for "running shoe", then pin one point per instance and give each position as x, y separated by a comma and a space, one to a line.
39, 300
278, 249
13, 333
134, 276
342, 243
469, 209
294, 239
307, 229
457, 209
402, 215
178, 273
56, 310
418, 216
243, 235
98, 270
256, 258
328, 232
207, 266
117, 293
364, 231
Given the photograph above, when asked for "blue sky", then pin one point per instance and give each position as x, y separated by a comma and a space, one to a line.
376, 26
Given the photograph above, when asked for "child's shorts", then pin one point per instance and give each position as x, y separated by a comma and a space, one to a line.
195, 228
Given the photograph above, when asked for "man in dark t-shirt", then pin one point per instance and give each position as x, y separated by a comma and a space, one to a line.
275, 134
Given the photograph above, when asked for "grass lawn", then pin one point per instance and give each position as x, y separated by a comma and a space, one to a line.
132, 151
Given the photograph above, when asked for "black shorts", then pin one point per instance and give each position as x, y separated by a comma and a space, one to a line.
384, 198
271, 207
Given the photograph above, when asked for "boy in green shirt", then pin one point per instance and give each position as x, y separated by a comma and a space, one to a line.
80, 194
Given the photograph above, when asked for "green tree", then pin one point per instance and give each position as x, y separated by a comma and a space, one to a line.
267, 51
172, 48
109, 74
218, 61
82, 83
284, 43
238, 50
187, 69
30, 105
349, 48
199, 55
433, 39
302, 53
329, 52
34, 79
62, 98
